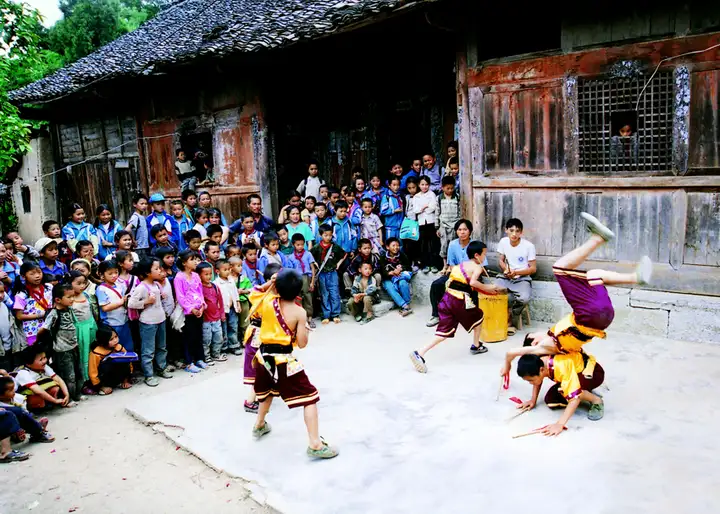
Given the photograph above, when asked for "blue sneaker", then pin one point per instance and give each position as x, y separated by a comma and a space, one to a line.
192, 368
201, 364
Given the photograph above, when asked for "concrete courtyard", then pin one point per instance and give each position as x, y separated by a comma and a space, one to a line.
441, 443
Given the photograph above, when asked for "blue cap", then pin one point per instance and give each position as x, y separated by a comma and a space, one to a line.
156, 197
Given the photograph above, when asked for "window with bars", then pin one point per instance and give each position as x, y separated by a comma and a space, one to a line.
618, 134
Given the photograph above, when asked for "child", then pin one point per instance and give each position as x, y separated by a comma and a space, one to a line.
424, 206
295, 226
167, 261
112, 299
212, 255
354, 210
60, 326
324, 194
182, 221
330, 256
244, 287
205, 202
33, 300
189, 295
358, 187
413, 173
294, 200
39, 383
270, 254
48, 250
302, 261
322, 217
232, 251
376, 192
310, 185
215, 217
213, 316
84, 318
395, 171
78, 229
84, 250
278, 333
249, 234
231, 305
215, 234
190, 199
201, 219
158, 216
308, 213
25, 420
333, 198
137, 224
51, 229
148, 298
517, 262
453, 170
451, 151
126, 263
185, 171
286, 247
409, 246
124, 241
370, 226
161, 238
193, 238
105, 227
392, 209
7, 329
344, 233
459, 306
365, 254
109, 364
592, 309
364, 293
448, 207
9, 271
395, 268
22, 251
433, 171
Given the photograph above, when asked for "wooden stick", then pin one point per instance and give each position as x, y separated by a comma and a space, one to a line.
257, 305
536, 431
502, 382
522, 411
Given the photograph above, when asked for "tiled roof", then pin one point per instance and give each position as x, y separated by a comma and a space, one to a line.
192, 28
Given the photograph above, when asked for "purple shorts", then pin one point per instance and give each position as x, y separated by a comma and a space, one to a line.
249, 371
588, 298
452, 312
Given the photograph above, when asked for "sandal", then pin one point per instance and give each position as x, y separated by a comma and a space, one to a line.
418, 362
367, 320
475, 350
18, 437
126, 385
14, 456
44, 437
325, 452
511, 331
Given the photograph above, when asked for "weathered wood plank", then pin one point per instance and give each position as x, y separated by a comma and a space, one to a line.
702, 240
704, 151
497, 132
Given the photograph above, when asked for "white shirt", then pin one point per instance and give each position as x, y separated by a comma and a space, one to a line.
229, 294
420, 200
517, 257
310, 187
27, 377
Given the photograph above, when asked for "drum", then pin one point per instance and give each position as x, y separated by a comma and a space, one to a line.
495, 322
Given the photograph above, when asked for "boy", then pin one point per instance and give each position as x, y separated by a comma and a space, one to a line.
59, 324
158, 216
279, 373
310, 186
354, 210
231, 304
9, 271
286, 247
334, 198
137, 225
27, 423
517, 262
182, 221
459, 306
392, 209
572, 385
232, 251
39, 383
249, 234
193, 239
48, 250
22, 250
7, 326
364, 293
213, 316
433, 171
159, 234
212, 256
322, 217
370, 225
344, 234
592, 309
302, 261
270, 254
189, 197
396, 274
448, 215
365, 254
453, 170
243, 287
250, 267
51, 229
324, 194
185, 171
215, 234
330, 256
413, 173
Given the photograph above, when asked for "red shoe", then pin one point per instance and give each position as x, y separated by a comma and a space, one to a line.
251, 407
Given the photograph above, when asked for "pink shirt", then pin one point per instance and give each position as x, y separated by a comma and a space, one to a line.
188, 292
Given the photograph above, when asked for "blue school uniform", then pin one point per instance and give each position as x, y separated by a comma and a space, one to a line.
107, 236
264, 260
302, 264
392, 220
253, 274
345, 234
355, 213
404, 179
168, 222
184, 224
58, 270
375, 197
78, 231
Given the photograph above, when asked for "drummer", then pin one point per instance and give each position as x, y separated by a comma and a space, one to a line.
459, 305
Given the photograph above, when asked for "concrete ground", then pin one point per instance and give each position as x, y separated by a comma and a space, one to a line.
440, 442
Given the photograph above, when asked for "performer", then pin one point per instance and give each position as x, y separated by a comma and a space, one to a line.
279, 373
459, 305
592, 309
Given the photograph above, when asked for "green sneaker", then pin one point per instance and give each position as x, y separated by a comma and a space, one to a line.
597, 411
326, 452
644, 270
358, 318
259, 432
594, 226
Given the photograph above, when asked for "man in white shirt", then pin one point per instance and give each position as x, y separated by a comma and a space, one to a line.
310, 186
517, 262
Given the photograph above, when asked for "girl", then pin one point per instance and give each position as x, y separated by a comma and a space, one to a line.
205, 202
85, 326
77, 229
424, 205
295, 226
84, 267
188, 291
33, 300
112, 298
126, 264
124, 240
215, 217
359, 187
201, 219
105, 227
167, 260
308, 213
294, 199
148, 298
376, 192
105, 371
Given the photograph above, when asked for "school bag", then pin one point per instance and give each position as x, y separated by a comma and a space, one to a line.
410, 229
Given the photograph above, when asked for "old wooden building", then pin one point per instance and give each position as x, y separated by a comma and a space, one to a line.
557, 110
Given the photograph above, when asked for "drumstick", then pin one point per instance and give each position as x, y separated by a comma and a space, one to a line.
257, 305
502, 382
536, 431
522, 411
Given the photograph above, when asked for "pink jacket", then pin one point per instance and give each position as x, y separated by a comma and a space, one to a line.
188, 292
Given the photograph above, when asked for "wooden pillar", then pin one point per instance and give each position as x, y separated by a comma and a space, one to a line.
464, 140
265, 171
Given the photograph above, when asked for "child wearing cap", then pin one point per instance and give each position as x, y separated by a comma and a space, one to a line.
48, 262
158, 216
